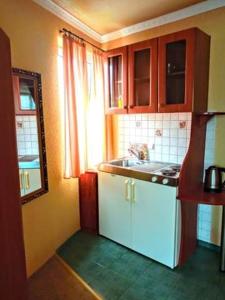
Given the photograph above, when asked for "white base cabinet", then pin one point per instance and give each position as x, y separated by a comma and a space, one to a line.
115, 208
30, 181
141, 215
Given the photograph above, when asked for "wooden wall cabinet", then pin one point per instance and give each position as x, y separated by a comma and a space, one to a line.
115, 70
183, 62
165, 74
25, 93
142, 77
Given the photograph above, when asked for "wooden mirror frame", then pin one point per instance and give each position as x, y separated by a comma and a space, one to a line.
41, 133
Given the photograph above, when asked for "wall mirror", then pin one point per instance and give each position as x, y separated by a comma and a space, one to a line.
30, 134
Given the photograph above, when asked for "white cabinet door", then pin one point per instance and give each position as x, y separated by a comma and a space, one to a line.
154, 212
32, 179
115, 208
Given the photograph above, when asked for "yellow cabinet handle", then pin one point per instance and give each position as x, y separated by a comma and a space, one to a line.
21, 181
127, 190
133, 191
27, 180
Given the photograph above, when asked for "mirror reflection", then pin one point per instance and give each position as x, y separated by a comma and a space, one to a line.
29, 134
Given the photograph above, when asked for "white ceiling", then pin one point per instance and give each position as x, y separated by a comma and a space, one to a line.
105, 20
106, 16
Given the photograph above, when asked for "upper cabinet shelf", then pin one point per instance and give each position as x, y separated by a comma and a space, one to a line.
165, 74
142, 77
183, 64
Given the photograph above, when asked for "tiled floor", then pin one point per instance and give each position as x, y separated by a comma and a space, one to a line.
115, 272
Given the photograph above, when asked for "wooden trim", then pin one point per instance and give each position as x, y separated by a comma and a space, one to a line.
152, 46
72, 272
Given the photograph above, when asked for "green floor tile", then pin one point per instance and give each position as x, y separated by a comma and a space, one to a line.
117, 273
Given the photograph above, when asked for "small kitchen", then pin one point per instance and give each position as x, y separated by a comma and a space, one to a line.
153, 193
119, 160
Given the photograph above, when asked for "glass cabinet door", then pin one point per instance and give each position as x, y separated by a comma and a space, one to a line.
176, 58
116, 80
175, 73
143, 77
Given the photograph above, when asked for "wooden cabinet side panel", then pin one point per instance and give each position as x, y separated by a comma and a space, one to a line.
201, 75
12, 255
191, 176
88, 196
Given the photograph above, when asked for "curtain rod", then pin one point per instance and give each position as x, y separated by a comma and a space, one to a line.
64, 30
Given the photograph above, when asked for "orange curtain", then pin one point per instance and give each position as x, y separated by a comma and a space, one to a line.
75, 95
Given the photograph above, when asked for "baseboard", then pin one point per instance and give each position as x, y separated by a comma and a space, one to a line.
209, 246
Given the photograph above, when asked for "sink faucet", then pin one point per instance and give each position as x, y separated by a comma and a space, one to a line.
136, 153
141, 153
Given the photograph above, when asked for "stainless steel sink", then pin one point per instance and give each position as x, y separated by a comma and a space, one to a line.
126, 163
149, 167
145, 166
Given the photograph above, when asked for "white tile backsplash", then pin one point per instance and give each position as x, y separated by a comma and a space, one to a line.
27, 138
167, 141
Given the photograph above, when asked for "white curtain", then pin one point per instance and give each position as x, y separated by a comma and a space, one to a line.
75, 99
84, 119
95, 110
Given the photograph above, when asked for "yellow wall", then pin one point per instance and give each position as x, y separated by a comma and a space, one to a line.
213, 23
49, 220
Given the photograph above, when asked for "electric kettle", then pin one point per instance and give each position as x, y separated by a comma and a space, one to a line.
213, 179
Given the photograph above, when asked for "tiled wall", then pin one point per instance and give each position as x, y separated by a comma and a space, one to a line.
167, 135
27, 138
209, 217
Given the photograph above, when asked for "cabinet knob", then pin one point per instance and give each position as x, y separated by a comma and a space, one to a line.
154, 178
165, 181
131, 106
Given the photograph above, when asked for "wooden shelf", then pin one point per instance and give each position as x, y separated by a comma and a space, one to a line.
212, 113
206, 116
199, 196
172, 74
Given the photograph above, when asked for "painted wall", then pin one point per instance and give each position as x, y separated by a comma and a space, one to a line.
49, 220
213, 24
